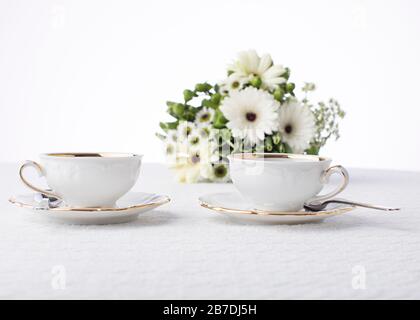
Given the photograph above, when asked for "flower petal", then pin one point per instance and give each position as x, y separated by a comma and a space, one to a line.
265, 63
274, 72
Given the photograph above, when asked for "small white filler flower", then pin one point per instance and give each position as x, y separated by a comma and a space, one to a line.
185, 129
204, 117
172, 136
232, 83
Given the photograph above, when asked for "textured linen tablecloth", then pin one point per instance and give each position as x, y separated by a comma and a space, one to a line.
183, 251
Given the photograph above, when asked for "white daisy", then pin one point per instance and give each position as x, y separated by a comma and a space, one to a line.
189, 172
206, 168
194, 139
204, 117
172, 135
204, 132
232, 83
251, 113
170, 148
297, 125
220, 173
171, 152
185, 128
193, 163
249, 65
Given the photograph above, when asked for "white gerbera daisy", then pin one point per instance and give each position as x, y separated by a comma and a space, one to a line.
185, 128
251, 113
249, 65
204, 117
297, 125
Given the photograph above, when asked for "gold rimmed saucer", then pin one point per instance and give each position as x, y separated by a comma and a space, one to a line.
128, 208
234, 206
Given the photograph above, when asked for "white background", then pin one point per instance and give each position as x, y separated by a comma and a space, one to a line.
95, 75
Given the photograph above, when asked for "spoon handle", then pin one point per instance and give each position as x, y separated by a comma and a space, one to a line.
361, 204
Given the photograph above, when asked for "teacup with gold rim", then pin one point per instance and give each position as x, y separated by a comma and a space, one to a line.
283, 182
86, 179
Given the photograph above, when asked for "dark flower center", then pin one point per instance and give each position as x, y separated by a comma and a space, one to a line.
205, 117
251, 116
204, 132
288, 129
220, 171
169, 149
235, 84
195, 159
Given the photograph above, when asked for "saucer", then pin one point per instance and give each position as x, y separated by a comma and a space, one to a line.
234, 206
128, 208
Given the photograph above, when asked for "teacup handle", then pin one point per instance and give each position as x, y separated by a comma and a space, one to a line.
325, 178
33, 164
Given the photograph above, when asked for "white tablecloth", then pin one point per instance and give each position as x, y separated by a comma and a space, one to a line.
183, 251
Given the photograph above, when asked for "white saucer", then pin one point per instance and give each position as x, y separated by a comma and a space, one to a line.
128, 208
235, 207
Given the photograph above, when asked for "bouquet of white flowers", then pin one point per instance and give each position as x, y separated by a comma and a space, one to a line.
254, 109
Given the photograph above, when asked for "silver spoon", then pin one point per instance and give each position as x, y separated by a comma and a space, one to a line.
319, 206
53, 202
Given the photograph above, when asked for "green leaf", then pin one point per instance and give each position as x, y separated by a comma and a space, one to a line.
216, 98
172, 125
163, 126
178, 109
203, 87
190, 113
168, 125
189, 116
219, 121
287, 148
314, 149
171, 105
206, 103
209, 103
188, 95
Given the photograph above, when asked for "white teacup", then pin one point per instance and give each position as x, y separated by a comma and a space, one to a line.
282, 182
86, 179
